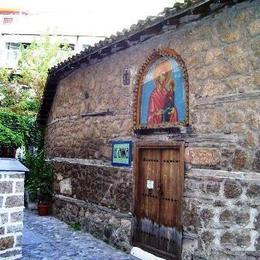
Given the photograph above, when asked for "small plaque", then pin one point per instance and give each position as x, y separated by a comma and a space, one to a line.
122, 153
150, 184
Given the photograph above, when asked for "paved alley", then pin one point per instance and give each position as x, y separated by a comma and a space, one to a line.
47, 238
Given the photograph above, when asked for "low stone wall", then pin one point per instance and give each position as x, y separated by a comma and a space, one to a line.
11, 214
221, 215
107, 224
93, 181
96, 195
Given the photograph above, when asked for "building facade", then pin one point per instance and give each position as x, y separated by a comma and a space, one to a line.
19, 27
192, 191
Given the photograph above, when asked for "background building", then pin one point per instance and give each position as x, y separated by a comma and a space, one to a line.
20, 27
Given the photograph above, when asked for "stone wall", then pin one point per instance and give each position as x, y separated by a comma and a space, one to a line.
104, 223
11, 214
221, 215
222, 58
221, 54
105, 212
112, 186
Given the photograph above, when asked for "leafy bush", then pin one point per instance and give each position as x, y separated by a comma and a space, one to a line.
38, 181
19, 130
14, 129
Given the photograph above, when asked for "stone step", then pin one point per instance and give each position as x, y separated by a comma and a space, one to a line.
143, 255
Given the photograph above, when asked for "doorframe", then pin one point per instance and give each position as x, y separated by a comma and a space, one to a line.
180, 145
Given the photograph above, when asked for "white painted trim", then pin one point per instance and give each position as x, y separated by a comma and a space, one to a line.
89, 162
143, 255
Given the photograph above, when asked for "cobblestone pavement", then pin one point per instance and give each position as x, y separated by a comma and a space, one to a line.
47, 238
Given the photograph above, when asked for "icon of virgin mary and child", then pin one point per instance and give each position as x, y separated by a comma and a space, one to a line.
161, 102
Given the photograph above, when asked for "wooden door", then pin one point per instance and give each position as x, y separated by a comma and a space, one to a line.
158, 195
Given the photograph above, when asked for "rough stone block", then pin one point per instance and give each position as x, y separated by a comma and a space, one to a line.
253, 191
6, 242
15, 228
237, 59
242, 218
219, 203
17, 176
226, 216
227, 238
254, 120
239, 83
256, 162
1, 201
199, 46
232, 189
207, 237
2, 230
12, 254
235, 117
213, 187
254, 27
6, 187
239, 160
126, 224
232, 217
3, 218
230, 36
17, 216
213, 54
212, 88
19, 186
65, 186
243, 240
191, 218
257, 243
202, 156
251, 139
18, 240
231, 239
226, 31
206, 215
257, 222
14, 201
220, 71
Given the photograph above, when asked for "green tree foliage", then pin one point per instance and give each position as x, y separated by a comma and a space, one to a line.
36, 59
14, 129
21, 91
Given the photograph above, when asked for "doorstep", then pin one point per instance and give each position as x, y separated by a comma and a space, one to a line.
143, 255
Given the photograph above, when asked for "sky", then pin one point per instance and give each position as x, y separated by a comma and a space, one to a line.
91, 17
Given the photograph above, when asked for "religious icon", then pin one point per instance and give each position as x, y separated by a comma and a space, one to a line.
162, 93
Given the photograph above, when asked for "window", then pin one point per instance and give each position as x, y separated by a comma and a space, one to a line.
12, 45
8, 20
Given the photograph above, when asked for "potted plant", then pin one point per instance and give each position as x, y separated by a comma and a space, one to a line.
44, 196
38, 181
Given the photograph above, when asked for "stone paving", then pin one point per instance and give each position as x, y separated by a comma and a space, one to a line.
47, 238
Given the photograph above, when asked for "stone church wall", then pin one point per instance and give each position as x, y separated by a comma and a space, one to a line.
222, 155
